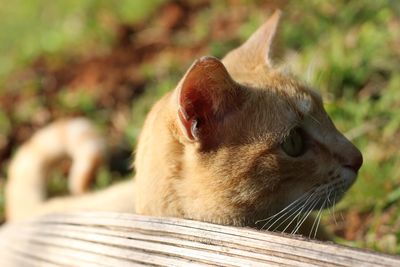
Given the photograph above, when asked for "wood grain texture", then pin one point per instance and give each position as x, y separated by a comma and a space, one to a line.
113, 239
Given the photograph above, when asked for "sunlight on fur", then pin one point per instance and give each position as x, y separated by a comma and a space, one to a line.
237, 142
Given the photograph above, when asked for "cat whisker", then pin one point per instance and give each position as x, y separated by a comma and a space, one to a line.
317, 197
328, 193
308, 212
331, 205
339, 188
296, 217
307, 206
312, 197
287, 218
302, 220
300, 201
298, 211
284, 209
317, 218
316, 228
333, 209
288, 211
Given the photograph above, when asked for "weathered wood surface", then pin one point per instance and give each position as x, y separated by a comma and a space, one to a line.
111, 239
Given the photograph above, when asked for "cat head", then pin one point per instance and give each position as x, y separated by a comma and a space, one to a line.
255, 139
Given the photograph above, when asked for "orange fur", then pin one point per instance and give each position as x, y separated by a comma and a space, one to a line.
211, 149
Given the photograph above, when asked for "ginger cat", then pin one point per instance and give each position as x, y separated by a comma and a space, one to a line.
237, 142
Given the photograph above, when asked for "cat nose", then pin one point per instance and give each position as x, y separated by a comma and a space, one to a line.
355, 161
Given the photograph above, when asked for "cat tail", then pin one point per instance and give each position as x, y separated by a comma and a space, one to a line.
75, 138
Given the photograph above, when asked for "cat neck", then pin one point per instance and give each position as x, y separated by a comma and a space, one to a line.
158, 162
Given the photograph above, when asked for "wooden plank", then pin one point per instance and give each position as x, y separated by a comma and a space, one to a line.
113, 239
93, 234
158, 244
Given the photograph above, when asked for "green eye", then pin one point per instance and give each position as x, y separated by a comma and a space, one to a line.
293, 145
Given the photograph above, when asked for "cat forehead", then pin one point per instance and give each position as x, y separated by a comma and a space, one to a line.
307, 100
301, 99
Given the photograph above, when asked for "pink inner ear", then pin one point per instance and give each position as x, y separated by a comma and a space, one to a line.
207, 93
195, 108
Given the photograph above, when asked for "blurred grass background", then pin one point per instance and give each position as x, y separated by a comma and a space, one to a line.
111, 60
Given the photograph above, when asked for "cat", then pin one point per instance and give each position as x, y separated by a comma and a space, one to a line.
237, 142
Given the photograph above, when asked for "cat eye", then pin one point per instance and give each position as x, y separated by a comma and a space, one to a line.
294, 145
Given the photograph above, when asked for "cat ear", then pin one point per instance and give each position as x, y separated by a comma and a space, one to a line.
206, 94
260, 43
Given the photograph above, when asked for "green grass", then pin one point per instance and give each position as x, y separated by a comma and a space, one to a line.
348, 50
32, 28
